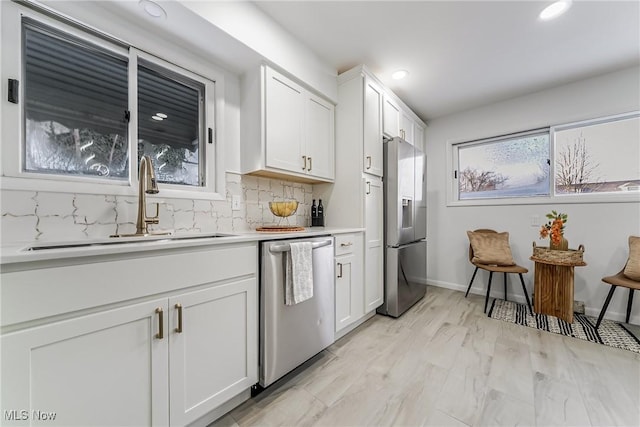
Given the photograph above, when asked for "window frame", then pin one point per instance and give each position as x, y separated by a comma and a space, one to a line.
553, 198
12, 174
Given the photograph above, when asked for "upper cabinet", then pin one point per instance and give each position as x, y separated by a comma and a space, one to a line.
400, 121
372, 127
391, 117
406, 127
286, 130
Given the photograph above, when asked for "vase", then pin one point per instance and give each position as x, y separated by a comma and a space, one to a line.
562, 246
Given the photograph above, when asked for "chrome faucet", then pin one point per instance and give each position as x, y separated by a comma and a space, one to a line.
146, 185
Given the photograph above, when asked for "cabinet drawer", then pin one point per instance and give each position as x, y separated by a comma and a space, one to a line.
345, 244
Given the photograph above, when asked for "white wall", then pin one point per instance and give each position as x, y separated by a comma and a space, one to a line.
603, 228
249, 25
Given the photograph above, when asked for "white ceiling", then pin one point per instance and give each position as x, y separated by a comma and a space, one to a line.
463, 54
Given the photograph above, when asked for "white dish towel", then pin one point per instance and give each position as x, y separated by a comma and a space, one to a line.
299, 273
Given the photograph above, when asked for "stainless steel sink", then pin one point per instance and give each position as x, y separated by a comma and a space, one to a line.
123, 239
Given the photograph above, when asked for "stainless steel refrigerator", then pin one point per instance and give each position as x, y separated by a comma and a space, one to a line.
405, 226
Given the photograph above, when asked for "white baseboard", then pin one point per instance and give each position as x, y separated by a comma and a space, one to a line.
496, 292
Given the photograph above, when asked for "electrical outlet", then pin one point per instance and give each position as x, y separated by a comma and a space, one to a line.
235, 203
535, 221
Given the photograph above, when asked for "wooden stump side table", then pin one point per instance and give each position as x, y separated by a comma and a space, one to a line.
553, 287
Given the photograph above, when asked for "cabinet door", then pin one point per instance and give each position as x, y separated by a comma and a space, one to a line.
107, 368
284, 123
320, 137
374, 245
391, 118
372, 131
213, 353
344, 291
406, 127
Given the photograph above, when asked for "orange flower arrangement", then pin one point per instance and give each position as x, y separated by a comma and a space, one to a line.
554, 228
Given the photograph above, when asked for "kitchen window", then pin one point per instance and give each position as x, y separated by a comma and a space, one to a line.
75, 104
89, 106
595, 160
510, 166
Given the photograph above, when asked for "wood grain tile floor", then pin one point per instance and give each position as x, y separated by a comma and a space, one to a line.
444, 363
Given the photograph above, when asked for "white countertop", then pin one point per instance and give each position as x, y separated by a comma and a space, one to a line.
20, 253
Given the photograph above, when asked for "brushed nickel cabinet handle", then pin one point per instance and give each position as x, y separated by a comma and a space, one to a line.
368, 187
304, 158
368, 162
179, 328
160, 333
340, 268
310, 164
346, 244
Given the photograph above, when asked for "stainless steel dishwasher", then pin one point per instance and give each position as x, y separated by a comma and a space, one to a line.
291, 334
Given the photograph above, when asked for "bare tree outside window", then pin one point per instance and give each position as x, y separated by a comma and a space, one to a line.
576, 171
477, 180
598, 156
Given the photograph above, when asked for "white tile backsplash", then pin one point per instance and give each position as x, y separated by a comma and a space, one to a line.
29, 215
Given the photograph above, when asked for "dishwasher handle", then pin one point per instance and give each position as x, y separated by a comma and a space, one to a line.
286, 248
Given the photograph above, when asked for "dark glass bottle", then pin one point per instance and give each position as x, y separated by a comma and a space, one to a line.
314, 214
320, 213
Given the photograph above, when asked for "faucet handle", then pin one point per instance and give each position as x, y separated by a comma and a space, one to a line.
156, 218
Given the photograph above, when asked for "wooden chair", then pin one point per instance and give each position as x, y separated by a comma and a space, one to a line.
618, 280
505, 269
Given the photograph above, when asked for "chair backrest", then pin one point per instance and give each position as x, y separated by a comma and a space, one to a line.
480, 230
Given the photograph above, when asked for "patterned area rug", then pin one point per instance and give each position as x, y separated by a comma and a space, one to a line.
610, 333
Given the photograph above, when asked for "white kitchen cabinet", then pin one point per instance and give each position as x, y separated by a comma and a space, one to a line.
212, 347
320, 137
406, 127
106, 368
391, 117
400, 121
284, 122
164, 339
374, 244
372, 128
349, 284
287, 130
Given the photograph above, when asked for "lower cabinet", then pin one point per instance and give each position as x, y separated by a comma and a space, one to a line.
374, 244
107, 368
161, 361
212, 348
349, 290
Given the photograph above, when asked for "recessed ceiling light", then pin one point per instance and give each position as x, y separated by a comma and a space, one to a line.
554, 10
158, 118
152, 8
400, 74
163, 115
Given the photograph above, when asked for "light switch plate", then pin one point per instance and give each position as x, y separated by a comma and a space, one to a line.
235, 203
535, 221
